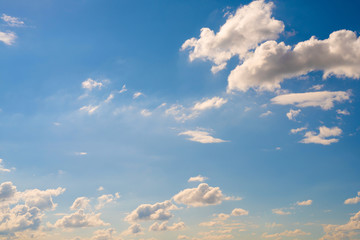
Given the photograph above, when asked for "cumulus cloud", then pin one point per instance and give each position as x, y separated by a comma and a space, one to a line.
106, 199
180, 113
198, 178
201, 137
104, 234
133, 229
164, 226
353, 200
7, 191
215, 102
242, 31
203, 195
273, 62
346, 231
287, 233
304, 203
80, 219
317, 87
323, 137
296, 130
323, 99
80, 203
41, 199
158, 211
292, 114
239, 212
12, 21
7, 37
90, 84
280, 212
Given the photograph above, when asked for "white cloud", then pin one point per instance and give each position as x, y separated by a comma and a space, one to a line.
346, 231
203, 195
104, 234
323, 137
201, 137
133, 229
7, 37
180, 113
106, 199
7, 191
304, 203
91, 84
101, 188
323, 99
123, 89
81, 153
353, 200
164, 226
205, 104
90, 109
80, 203
273, 225
137, 94
198, 178
273, 62
287, 233
296, 130
239, 212
80, 219
342, 112
145, 113
317, 87
158, 211
2, 168
222, 216
292, 114
12, 21
250, 25
266, 113
109, 98
280, 212
41, 199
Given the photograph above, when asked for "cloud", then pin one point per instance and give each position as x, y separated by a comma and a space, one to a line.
180, 113
123, 89
203, 195
7, 191
158, 211
250, 25
296, 130
137, 94
222, 216
90, 84
317, 87
104, 234
101, 188
2, 168
280, 212
133, 229
346, 231
304, 203
12, 21
342, 112
41, 199
106, 199
80, 219
90, 109
7, 37
273, 62
353, 200
81, 153
287, 233
201, 137
198, 178
239, 212
164, 226
323, 137
292, 114
265, 114
215, 102
324, 99
80, 203
109, 98
145, 113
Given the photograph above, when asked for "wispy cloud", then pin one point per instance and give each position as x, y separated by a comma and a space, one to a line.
201, 137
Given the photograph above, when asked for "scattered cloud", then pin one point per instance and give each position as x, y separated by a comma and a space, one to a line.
205, 104
106, 199
198, 178
346, 231
323, 137
123, 89
265, 114
239, 212
201, 137
280, 212
2, 168
296, 130
81, 153
90, 109
158, 211
101, 188
287, 233
41, 199
135, 228
323, 99
80, 219
353, 200
292, 114
317, 87
12, 21
343, 112
91, 84
80, 203
104, 234
304, 203
137, 94
109, 98
145, 113
164, 226
7, 37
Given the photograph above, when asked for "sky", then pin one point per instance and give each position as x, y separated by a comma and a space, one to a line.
183, 119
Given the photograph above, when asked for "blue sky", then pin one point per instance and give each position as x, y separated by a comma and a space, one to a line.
201, 120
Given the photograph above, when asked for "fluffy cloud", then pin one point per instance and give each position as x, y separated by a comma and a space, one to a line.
346, 231
180, 113
80, 203
292, 114
323, 137
198, 178
7, 191
273, 62
287, 233
80, 219
133, 229
239, 212
203, 195
250, 25
106, 199
7, 37
104, 234
215, 102
296, 130
158, 211
201, 137
41, 199
164, 226
323, 99
12, 21
304, 203
353, 200
90, 84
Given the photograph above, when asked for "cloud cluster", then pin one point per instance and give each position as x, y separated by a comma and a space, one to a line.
287, 233
353, 200
7, 37
158, 211
12, 21
164, 226
80, 219
323, 137
346, 231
